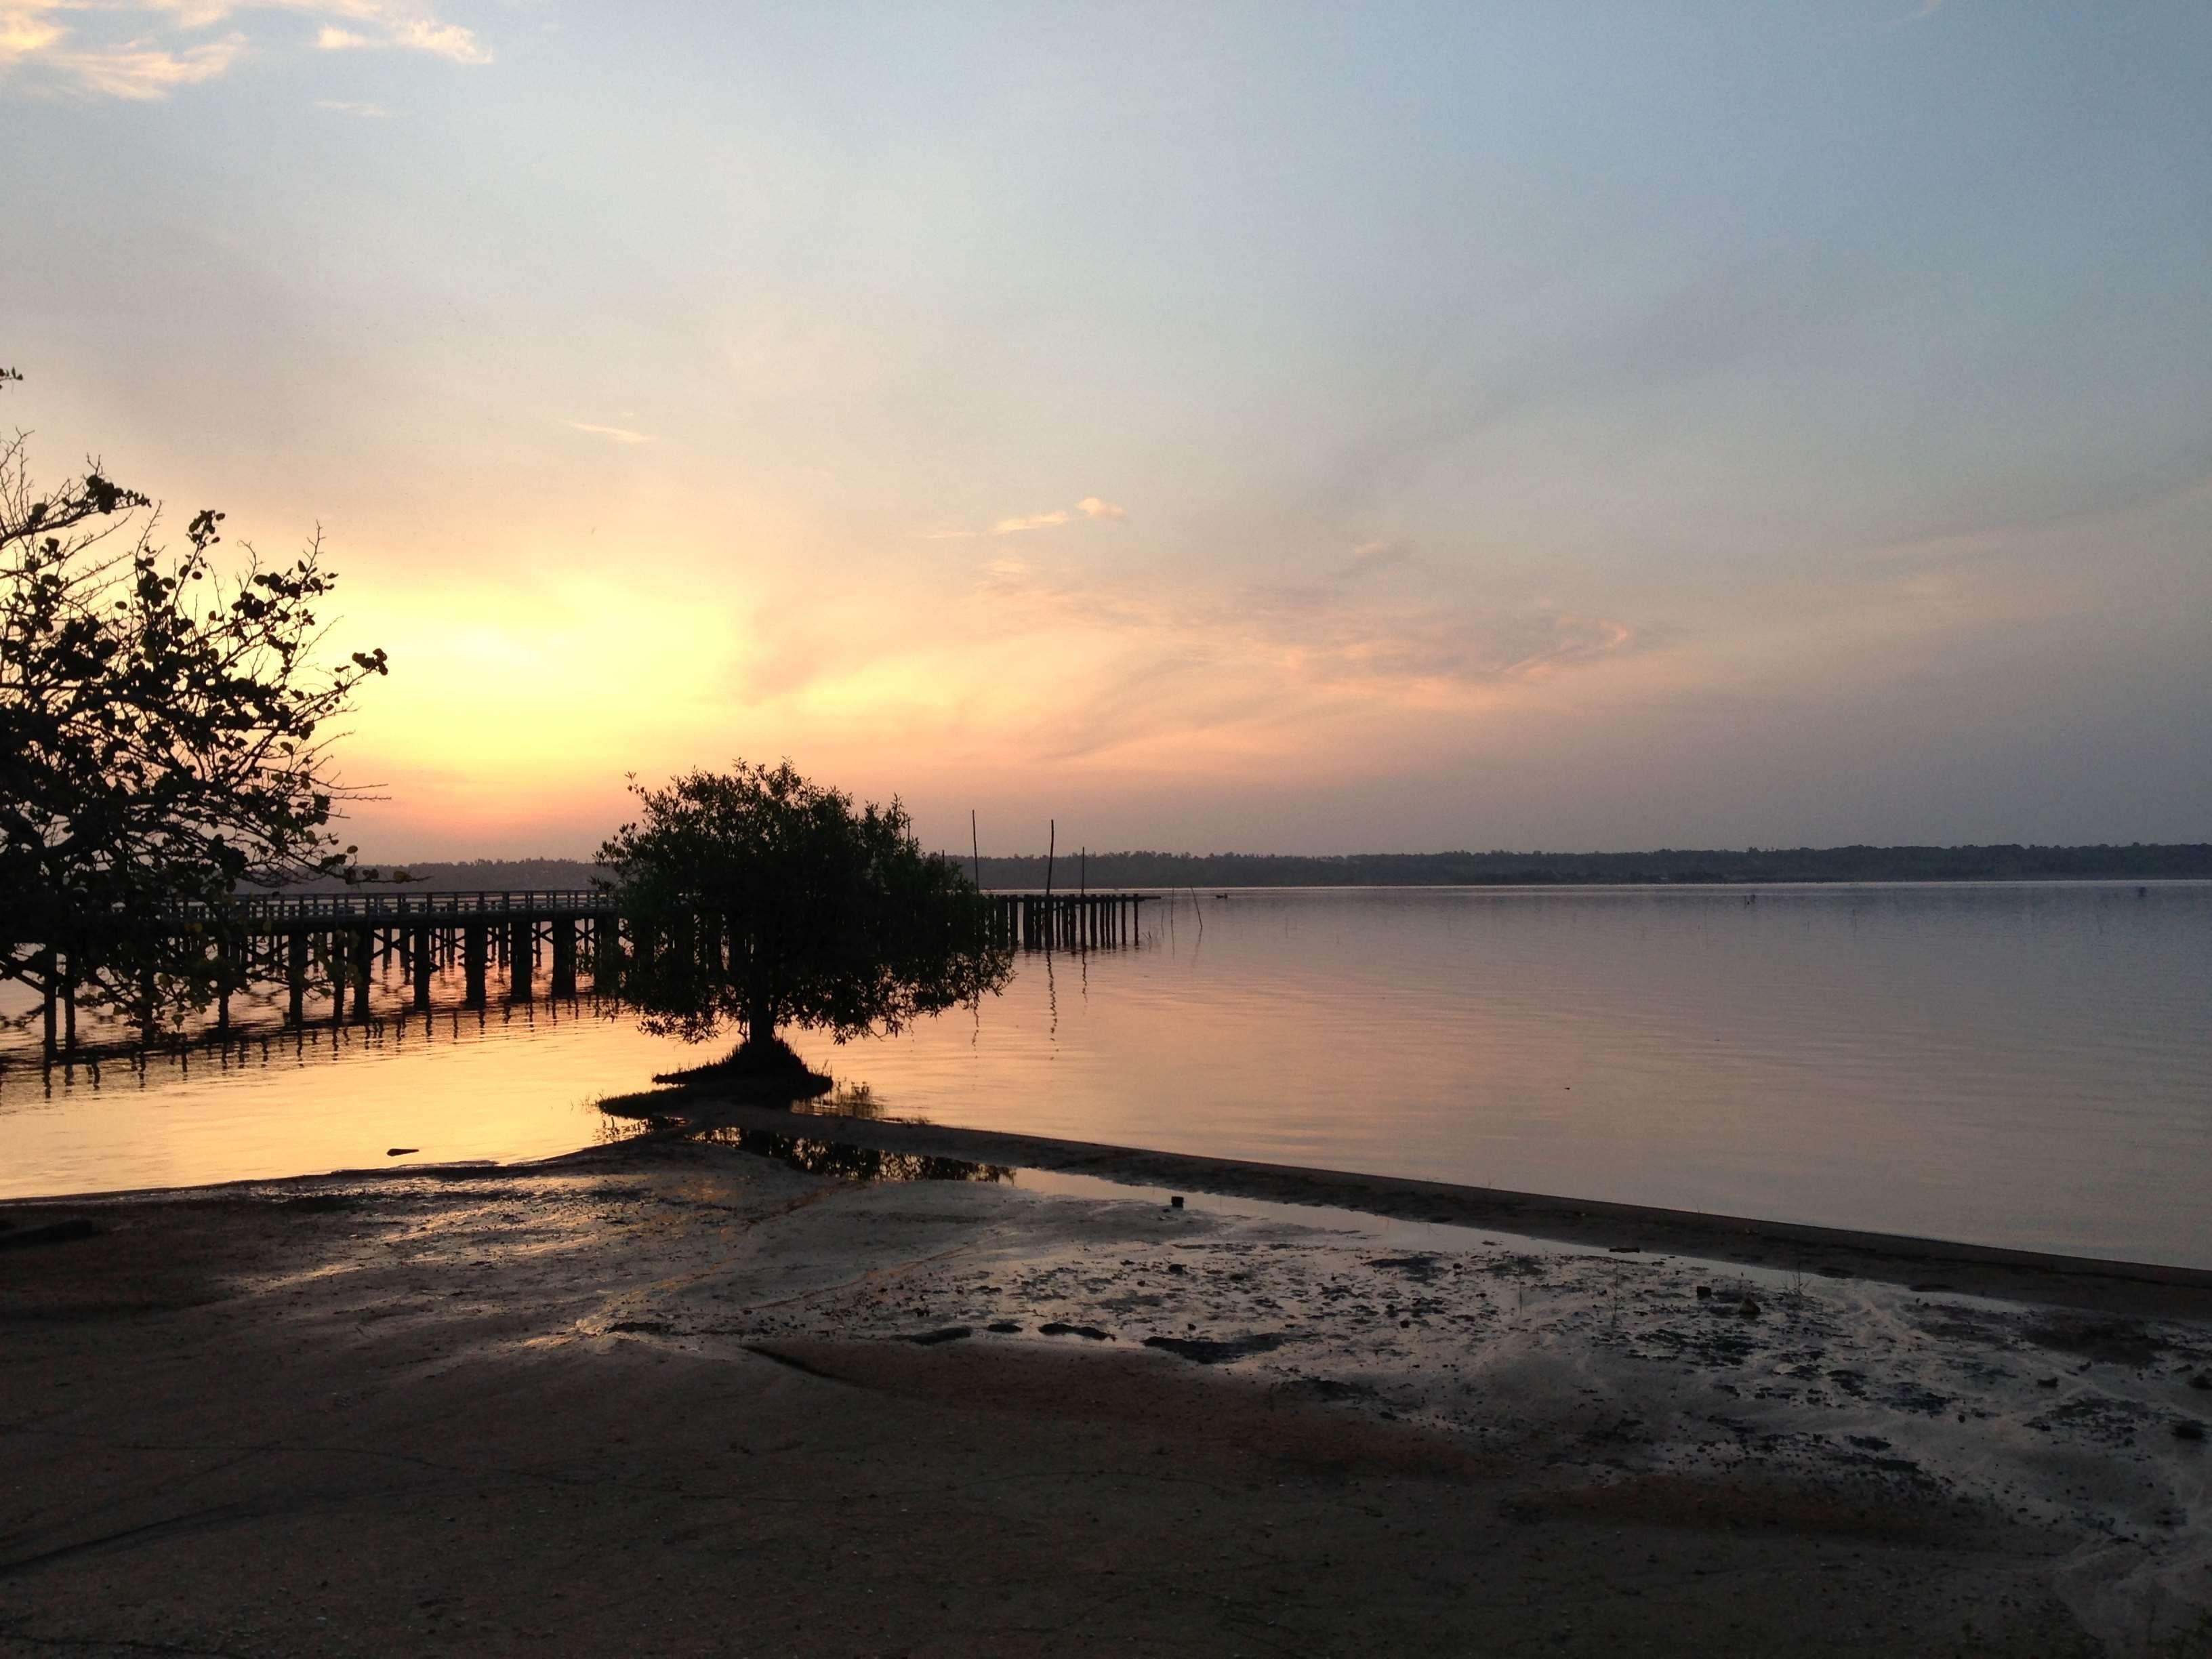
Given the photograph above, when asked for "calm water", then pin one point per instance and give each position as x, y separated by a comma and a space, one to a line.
2027, 1066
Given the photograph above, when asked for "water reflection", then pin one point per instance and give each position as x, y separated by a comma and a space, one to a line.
514, 1080
858, 1164
2027, 1066
260, 1016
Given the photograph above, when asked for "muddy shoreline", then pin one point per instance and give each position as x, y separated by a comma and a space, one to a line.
856, 1396
2154, 1290
2147, 1289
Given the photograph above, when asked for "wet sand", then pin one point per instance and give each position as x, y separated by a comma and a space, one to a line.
683, 1396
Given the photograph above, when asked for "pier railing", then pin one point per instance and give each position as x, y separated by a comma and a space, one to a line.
417, 907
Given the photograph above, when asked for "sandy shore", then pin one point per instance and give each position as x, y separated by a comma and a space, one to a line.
729, 1396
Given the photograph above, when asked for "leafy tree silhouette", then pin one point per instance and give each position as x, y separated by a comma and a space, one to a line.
756, 898
163, 738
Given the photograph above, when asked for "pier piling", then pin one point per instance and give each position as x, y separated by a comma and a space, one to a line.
364, 968
521, 951
475, 942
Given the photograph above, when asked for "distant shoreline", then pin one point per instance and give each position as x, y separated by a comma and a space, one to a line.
2144, 862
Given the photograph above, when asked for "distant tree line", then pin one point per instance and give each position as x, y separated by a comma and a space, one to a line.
2134, 862
1665, 865
481, 876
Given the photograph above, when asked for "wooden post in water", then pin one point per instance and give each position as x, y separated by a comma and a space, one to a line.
564, 957
364, 964
521, 953
475, 943
51, 1001
295, 978
418, 951
606, 953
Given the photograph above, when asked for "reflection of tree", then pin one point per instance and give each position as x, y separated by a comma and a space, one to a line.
831, 1158
849, 1099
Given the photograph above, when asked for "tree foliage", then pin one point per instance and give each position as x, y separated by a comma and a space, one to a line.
758, 898
164, 736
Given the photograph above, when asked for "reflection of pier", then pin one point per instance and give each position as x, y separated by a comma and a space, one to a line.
331, 943
324, 953
1066, 922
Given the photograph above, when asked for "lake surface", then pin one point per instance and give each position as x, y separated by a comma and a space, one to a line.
2024, 1065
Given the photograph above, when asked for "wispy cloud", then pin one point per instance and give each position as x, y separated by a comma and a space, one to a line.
26, 29
1030, 521
132, 69
1207, 660
395, 26
348, 107
1091, 506
148, 52
620, 434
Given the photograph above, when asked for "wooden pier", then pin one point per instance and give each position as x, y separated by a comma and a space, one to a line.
326, 954
329, 945
1068, 922
327, 951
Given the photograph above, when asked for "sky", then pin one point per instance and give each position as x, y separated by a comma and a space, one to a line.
1268, 428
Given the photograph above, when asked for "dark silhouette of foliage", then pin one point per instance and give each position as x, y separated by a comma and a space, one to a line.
756, 897
164, 736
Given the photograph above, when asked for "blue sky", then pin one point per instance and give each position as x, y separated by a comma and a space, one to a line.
1292, 428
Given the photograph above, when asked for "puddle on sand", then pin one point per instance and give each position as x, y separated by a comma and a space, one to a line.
860, 1164
1327, 1217
1413, 1240
815, 1155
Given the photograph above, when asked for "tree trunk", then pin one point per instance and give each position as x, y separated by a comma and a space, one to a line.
760, 1021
